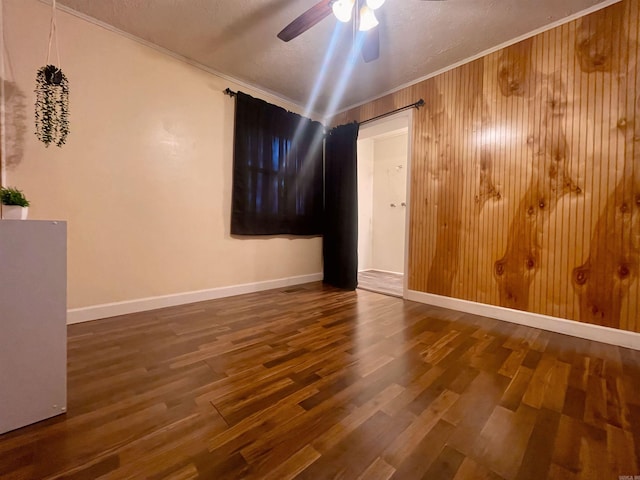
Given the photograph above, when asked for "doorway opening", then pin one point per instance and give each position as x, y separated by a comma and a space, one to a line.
383, 171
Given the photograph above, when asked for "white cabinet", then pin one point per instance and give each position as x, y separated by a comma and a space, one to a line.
33, 314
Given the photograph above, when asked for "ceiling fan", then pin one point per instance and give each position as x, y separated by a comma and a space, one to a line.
364, 20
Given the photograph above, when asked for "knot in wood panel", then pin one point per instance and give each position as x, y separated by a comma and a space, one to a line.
623, 271
530, 263
595, 40
580, 275
514, 66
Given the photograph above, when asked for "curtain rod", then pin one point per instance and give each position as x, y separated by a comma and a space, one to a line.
418, 104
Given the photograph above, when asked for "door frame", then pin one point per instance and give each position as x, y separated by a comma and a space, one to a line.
408, 116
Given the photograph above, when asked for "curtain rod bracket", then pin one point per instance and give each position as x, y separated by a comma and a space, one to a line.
228, 91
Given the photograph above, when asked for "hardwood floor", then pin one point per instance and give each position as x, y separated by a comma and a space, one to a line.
386, 283
311, 382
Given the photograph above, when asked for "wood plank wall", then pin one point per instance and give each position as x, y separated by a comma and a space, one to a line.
525, 177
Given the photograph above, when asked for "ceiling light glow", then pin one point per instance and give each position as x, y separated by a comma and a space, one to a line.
368, 19
374, 4
342, 9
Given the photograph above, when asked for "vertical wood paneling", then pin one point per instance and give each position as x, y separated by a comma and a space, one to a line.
525, 176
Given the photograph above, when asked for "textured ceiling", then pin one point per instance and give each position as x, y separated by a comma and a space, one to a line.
238, 38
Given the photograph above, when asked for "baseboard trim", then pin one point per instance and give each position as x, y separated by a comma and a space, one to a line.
608, 335
378, 270
96, 312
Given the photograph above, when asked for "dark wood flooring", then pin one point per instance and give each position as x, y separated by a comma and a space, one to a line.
311, 382
386, 283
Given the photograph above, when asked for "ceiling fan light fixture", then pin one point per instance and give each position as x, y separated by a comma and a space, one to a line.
374, 4
368, 19
342, 9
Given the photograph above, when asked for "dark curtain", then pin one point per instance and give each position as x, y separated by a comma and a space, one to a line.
277, 171
340, 243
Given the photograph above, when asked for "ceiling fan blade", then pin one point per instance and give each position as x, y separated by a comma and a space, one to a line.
371, 45
308, 19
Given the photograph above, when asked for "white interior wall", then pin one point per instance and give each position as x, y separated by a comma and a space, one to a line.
390, 193
365, 204
145, 178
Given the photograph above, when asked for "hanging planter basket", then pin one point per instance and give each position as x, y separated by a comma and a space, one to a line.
52, 106
52, 96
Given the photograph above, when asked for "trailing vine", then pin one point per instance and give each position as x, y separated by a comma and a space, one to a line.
52, 106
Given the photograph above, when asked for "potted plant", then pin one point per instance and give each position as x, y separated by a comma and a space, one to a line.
15, 205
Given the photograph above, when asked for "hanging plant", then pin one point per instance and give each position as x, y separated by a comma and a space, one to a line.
52, 106
52, 96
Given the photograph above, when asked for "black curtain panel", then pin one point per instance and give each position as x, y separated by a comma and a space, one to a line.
277, 171
340, 243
